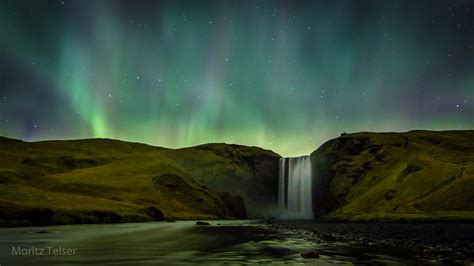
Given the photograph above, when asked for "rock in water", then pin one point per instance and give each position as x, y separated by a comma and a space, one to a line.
310, 255
202, 223
271, 220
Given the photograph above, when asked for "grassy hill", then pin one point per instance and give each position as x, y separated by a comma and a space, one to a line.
412, 175
362, 176
102, 180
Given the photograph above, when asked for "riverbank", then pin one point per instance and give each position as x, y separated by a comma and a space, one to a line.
421, 216
429, 241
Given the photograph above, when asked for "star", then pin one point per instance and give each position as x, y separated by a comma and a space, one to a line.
279, 68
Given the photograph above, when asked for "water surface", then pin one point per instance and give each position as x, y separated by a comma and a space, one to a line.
184, 242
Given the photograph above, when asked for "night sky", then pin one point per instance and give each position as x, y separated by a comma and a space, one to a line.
283, 75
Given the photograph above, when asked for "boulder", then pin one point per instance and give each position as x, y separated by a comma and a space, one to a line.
235, 205
310, 255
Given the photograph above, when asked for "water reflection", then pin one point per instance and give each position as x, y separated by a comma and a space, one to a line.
181, 243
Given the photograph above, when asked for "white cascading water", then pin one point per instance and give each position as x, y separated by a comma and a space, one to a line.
295, 188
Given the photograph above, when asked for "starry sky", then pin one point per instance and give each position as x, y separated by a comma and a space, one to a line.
282, 75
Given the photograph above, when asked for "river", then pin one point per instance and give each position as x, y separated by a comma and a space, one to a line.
183, 242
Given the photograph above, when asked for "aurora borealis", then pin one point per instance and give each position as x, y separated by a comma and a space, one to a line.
282, 75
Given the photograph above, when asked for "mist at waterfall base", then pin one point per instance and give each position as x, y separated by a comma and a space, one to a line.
295, 188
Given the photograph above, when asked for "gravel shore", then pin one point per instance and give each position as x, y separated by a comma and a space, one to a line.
436, 242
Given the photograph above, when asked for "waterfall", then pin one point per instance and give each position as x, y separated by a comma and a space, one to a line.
295, 188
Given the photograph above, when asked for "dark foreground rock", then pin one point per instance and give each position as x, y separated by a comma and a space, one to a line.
310, 255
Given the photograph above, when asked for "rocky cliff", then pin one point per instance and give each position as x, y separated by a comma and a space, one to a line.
412, 175
247, 171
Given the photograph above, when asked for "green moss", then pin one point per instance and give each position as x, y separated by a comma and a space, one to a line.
412, 175
100, 180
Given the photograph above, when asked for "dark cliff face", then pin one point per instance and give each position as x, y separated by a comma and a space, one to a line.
417, 174
100, 180
250, 172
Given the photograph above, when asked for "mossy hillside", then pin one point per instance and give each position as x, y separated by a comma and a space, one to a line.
248, 171
101, 180
414, 174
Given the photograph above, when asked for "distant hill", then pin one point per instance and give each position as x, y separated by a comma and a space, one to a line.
102, 180
412, 175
